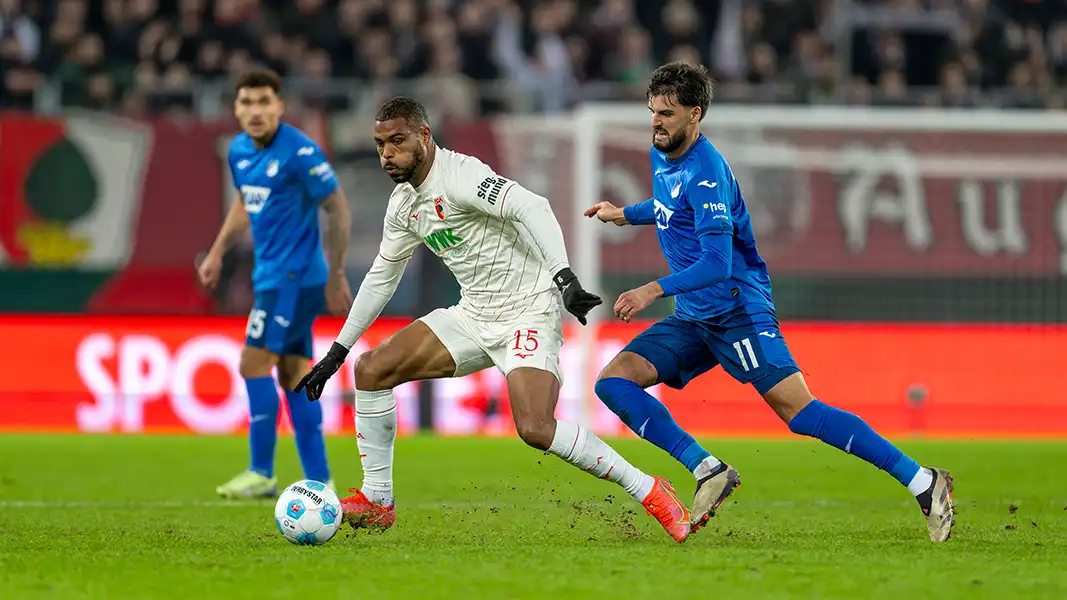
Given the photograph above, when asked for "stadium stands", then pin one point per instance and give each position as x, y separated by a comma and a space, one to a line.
485, 56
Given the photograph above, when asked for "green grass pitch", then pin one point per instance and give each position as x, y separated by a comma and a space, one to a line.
135, 517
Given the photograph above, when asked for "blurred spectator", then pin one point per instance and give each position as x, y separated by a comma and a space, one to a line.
475, 56
19, 27
83, 59
632, 62
537, 60
956, 92
892, 89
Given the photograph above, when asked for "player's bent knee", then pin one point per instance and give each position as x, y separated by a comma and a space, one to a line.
534, 393
256, 362
376, 371
789, 397
631, 367
537, 433
291, 369
288, 380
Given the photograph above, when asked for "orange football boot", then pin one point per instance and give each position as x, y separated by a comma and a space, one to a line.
359, 511
663, 504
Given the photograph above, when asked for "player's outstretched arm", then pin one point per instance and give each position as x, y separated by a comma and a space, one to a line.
483, 190
374, 293
338, 228
710, 195
714, 228
713, 266
540, 228
607, 212
643, 213
234, 226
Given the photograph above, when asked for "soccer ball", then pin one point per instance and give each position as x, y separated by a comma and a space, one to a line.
308, 513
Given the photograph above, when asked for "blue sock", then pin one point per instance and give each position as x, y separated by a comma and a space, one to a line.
263, 423
650, 419
849, 433
310, 443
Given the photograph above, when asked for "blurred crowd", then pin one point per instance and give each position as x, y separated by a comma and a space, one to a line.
479, 56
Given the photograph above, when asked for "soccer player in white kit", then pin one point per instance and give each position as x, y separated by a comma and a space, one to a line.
506, 250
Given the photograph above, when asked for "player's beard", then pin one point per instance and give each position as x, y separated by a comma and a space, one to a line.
674, 141
266, 137
404, 175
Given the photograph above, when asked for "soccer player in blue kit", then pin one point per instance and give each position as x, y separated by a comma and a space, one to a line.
283, 179
723, 313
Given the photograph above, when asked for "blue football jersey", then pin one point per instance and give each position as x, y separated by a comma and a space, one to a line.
281, 186
696, 195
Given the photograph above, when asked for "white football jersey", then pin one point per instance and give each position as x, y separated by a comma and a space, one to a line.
461, 214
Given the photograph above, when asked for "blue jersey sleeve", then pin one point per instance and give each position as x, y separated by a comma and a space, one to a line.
231, 163
708, 193
642, 213
713, 266
315, 172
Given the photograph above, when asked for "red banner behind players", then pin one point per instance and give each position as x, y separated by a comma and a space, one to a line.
171, 374
869, 200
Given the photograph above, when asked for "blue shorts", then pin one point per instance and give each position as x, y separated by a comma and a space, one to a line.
281, 320
749, 347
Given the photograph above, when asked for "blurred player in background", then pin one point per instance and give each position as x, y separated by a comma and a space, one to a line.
506, 250
282, 178
723, 314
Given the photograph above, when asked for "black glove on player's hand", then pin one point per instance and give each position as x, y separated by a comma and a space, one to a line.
314, 382
576, 300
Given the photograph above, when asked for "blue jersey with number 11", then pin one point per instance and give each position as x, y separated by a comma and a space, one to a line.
282, 185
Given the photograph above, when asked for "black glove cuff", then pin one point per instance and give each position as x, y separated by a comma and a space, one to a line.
339, 351
564, 278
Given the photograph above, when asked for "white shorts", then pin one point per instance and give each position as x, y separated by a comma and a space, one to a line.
528, 341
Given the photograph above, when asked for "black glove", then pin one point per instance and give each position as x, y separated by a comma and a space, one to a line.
577, 301
316, 378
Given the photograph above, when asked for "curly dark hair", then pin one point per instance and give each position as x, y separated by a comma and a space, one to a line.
255, 78
689, 85
405, 108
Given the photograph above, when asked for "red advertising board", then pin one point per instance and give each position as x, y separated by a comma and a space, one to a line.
177, 374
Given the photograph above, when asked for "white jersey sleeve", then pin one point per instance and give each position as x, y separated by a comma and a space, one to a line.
381, 281
398, 242
481, 189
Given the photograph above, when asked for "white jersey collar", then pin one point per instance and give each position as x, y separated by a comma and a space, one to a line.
435, 169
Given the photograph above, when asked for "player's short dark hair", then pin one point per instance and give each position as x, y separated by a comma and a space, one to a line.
405, 108
689, 85
258, 77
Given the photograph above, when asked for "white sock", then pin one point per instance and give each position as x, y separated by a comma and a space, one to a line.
375, 434
574, 444
921, 482
706, 467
